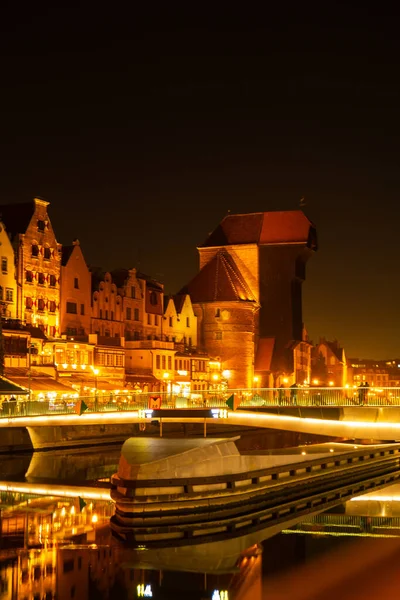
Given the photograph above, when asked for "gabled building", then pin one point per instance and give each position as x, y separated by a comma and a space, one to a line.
132, 290
38, 264
8, 284
333, 356
107, 311
180, 321
75, 297
247, 295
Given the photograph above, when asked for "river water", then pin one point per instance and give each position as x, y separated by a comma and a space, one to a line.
56, 543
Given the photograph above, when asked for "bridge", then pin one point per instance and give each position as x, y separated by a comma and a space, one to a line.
350, 413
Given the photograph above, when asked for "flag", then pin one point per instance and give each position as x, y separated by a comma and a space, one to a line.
82, 504
231, 402
80, 407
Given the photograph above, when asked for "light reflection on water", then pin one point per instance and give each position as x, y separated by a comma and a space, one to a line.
58, 546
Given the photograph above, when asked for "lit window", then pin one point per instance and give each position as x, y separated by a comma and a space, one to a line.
9, 295
4, 266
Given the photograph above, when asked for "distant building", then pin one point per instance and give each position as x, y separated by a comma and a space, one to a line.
37, 256
375, 372
332, 356
107, 312
247, 295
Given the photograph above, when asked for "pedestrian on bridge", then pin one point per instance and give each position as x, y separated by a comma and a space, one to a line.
293, 393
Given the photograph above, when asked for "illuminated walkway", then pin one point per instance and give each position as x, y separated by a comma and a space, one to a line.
352, 428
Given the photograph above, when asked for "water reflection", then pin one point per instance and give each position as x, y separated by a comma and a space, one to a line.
56, 541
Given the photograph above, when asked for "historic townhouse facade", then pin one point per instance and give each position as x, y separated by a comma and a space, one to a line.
38, 264
8, 285
76, 286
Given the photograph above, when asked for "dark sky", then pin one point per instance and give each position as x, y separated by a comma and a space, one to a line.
144, 128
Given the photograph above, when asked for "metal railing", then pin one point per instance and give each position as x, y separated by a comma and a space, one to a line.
268, 398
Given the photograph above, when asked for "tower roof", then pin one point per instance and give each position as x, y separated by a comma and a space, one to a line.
277, 227
219, 280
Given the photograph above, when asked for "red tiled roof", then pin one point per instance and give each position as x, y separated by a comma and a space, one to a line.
219, 280
279, 227
265, 351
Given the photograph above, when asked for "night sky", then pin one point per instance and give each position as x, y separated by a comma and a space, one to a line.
143, 130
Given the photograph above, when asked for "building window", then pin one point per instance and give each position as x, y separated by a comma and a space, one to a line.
153, 298
28, 302
52, 331
106, 314
119, 360
187, 322
1, 292
9, 295
148, 319
41, 225
129, 314
112, 315
163, 361
133, 291
136, 335
40, 305
190, 341
71, 308
101, 313
217, 312
47, 253
76, 283
136, 314
4, 264
169, 363
52, 306
171, 321
28, 276
82, 309
52, 281
106, 299
155, 319
41, 278
218, 335
158, 362
35, 250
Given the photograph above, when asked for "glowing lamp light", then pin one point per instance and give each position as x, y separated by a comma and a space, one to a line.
315, 381
255, 378
331, 383
215, 377
83, 366
74, 366
65, 365
226, 374
95, 518
285, 380
165, 375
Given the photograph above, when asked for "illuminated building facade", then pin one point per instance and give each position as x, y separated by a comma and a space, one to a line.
8, 286
247, 295
180, 321
76, 284
38, 264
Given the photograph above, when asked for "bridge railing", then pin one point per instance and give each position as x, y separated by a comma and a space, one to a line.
275, 398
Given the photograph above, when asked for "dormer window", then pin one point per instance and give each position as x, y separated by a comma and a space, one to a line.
41, 225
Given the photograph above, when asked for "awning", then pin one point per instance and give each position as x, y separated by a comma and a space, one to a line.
43, 384
132, 379
109, 386
8, 387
